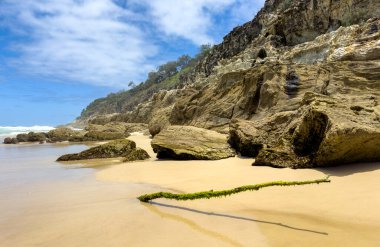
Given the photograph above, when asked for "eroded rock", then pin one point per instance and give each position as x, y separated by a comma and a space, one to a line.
62, 134
324, 131
191, 143
31, 137
118, 148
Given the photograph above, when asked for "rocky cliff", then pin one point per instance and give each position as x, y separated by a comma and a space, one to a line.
289, 23
298, 86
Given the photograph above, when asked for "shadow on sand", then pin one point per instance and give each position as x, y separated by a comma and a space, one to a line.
349, 169
231, 217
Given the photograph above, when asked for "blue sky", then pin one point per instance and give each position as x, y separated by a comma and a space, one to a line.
56, 56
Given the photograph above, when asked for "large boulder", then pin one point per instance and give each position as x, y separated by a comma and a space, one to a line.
63, 134
117, 148
104, 136
31, 137
154, 129
191, 143
324, 131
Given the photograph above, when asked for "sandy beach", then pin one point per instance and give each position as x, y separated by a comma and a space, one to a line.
44, 203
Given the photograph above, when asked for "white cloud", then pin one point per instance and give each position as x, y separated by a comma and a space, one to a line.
190, 19
89, 41
103, 43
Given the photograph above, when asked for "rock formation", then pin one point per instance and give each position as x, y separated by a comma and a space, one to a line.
10, 140
118, 148
324, 131
136, 154
31, 137
92, 132
63, 134
191, 143
298, 86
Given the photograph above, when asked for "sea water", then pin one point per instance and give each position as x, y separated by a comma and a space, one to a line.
6, 131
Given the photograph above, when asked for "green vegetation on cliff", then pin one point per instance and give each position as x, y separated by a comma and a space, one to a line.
173, 74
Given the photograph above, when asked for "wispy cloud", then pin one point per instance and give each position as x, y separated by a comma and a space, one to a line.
195, 19
90, 41
188, 19
108, 42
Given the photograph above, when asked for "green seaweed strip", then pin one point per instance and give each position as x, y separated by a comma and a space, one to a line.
220, 193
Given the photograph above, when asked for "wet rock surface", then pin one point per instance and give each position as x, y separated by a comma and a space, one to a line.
62, 134
31, 137
118, 148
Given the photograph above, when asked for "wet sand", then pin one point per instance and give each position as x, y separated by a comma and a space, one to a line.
92, 205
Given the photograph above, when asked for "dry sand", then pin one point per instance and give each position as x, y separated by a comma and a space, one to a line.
104, 212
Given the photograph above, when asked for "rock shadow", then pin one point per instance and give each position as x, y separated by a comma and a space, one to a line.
349, 169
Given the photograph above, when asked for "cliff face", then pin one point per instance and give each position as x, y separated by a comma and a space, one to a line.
298, 86
292, 22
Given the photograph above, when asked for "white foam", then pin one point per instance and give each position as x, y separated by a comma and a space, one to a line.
15, 130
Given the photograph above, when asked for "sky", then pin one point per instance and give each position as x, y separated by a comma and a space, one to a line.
57, 56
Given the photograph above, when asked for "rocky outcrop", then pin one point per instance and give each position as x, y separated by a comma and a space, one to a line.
118, 148
324, 131
191, 143
298, 86
62, 134
101, 136
110, 131
31, 137
10, 140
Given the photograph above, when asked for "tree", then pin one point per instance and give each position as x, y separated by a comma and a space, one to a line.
183, 61
203, 49
131, 84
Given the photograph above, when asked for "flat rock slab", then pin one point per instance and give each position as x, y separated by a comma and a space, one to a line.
118, 148
191, 143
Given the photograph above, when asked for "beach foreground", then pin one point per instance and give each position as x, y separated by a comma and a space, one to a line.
44, 203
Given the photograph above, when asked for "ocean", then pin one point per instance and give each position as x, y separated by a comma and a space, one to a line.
6, 131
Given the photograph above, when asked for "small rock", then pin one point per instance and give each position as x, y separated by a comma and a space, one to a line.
136, 154
118, 148
10, 140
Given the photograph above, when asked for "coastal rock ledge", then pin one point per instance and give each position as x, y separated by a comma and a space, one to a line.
324, 131
191, 143
118, 148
